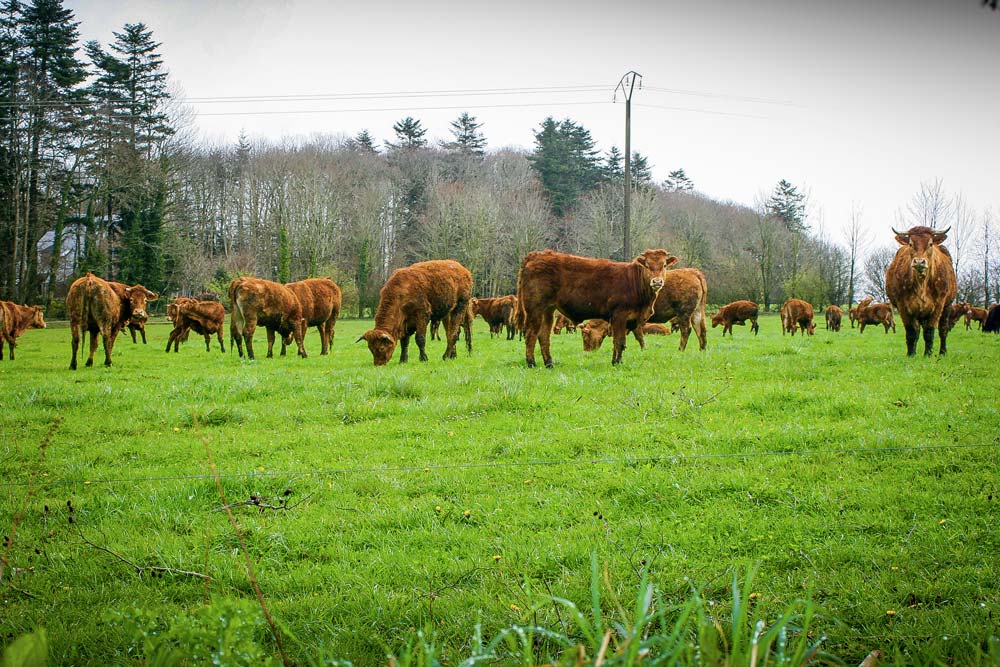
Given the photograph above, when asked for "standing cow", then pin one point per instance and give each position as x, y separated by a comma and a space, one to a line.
875, 313
953, 314
414, 296
202, 317
583, 288
975, 314
737, 312
797, 314
681, 301
834, 316
98, 306
921, 284
320, 300
14, 321
499, 312
255, 301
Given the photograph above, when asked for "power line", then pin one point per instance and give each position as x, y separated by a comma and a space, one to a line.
705, 111
276, 112
669, 458
723, 96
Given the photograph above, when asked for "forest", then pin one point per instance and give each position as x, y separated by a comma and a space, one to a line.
101, 170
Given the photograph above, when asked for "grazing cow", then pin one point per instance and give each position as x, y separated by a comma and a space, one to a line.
202, 317
952, 314
796, 313
438, 289
975, 314
737, 312
14, 321
320, 300
921, 284
562, 322
681, 302
256, 301
992, 324
834, 315
583, 288
875, 313
98, 306
499, 312
593, 332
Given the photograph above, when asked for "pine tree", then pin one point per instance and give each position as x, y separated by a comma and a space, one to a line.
788, 205
678, 181
642, 173
567, 163
144, 86
468, 139
364, 142
409, 135
613, 165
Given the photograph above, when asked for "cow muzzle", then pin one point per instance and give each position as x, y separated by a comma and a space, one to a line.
139, 315
919, 265
656, 284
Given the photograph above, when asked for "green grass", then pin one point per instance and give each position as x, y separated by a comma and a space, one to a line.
431, 497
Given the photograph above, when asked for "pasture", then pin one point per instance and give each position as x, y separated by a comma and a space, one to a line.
432, 497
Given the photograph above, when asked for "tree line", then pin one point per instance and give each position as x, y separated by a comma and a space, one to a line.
99, 172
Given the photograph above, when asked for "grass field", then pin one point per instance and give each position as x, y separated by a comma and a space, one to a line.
432, 497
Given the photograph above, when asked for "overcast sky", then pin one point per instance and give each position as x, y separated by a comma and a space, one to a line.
854, 101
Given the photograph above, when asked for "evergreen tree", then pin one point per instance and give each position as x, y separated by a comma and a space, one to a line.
409, 135
642, 173
144, 87
614, 169
788, 205
678, 181
364, 142
566, 162
468, 139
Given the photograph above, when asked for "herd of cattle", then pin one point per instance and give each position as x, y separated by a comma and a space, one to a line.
555, 291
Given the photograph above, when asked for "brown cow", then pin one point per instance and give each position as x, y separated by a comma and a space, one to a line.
438, 289
834, 316
202, 317
921, 284
975, 314
953, 314
14, 321
852, 314
256, 301
681, 302
320, 300
737, 312
583, 288
655, 329
875, 313
498, 312
98, 306
593, 332
137, 324
562, 322
796, 313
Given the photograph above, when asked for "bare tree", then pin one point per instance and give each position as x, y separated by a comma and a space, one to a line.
987, 233
963, 226
857, 239
876, 264
931, 207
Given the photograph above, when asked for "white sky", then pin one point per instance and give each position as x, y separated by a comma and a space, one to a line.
866, 99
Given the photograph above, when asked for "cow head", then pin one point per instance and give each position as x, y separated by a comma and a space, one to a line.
381, 343
474, 305
35, 318
593, 333
716, 319
656, 262
920, 242
137, 296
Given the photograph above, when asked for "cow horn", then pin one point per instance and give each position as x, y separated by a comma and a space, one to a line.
360, 338
935, 232
895, 232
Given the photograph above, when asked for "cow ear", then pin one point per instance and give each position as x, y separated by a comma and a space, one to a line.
903, 239
151, 296
386, 337
671, 260
641, 259
128, 290
939, 237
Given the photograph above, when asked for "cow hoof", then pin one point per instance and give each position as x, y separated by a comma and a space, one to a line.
549, 364
90, 362
531, 363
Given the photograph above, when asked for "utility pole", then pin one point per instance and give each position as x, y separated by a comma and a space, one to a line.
627, 85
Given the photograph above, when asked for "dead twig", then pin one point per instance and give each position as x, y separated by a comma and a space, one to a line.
154, 570
262, 503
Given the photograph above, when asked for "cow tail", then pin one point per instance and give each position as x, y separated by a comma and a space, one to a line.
521, 313
237, 320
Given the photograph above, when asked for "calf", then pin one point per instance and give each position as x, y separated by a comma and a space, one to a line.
255, 301
14, 321
98, 306
954, 312
654, 329
320, 300
135, 324
876, 313
921, 284
499, 312
834, 315
796, 313
412, 297
583, 288
975, 314
202, 317
593, 333
737, 312
563, 322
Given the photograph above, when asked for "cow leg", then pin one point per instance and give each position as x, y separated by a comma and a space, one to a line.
404, 349
943, 338
108, 339
208, 342
862, 327
530, 336
143, 332
249, 327
545, 337
171, 339
928, 339
132, 331
222, 345
912, 332
467, 328
686, 333
324, 340
619, 331
75, 331
93, 347
639, 337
